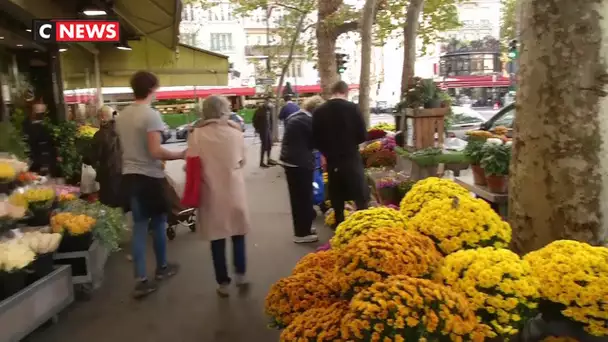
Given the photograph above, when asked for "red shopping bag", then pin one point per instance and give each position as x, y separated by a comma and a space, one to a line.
194, 169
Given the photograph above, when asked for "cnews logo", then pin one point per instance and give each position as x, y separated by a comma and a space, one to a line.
51, 31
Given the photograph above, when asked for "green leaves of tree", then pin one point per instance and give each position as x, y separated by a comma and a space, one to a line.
508, 21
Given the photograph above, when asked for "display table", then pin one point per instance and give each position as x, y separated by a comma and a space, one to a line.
87, 266
28, 309
498, 201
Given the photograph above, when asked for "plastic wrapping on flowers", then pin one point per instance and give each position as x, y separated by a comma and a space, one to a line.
363, 221
497, 283
461, 222
322, 324
429, 189
381, 253
322, 260
409, 309
574, 278
291, 296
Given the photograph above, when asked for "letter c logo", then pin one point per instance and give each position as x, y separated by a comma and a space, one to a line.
43, 31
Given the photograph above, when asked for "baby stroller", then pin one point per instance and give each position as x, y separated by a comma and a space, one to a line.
318, 185
178, 215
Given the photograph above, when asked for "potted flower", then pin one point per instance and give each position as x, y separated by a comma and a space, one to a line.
44, 245
14, 261
7, 177
387, 190
473, 152
495, 163
77, 231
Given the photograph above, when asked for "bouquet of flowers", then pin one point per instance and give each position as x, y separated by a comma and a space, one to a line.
574, 278
385, 127
291, 296
321, 325
429, 189
7, 172
498, 284
72, 224
382, 158
323, 260
461, 222
402, 308
15, 256
385, 252
35, 198
364, 221
87, 132
389, 143
375, 133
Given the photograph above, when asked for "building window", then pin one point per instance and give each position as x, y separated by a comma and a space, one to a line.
295, 69
221, 41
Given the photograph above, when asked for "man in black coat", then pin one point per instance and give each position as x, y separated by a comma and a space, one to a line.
262, 123
298, 160
338, 130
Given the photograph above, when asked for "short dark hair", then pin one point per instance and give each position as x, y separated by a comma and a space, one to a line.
339, 87
287, 97
143, 84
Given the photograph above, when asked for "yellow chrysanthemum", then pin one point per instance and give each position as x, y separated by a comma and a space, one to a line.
385, 252
403, 307
429, 189
498, 284
323, 260
291, 296
574, 276
319, 325
461, 223
363, 221
330, 216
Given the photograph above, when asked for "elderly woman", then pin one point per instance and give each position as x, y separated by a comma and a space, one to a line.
223, 211
298, 160
105, 156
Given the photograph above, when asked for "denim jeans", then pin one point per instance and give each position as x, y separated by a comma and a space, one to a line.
218, 253
143, 221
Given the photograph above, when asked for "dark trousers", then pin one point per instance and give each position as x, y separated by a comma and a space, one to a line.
347, 182
299, 183
218, 253
266, 139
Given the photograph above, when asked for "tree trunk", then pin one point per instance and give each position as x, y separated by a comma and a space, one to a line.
326, 61
367, 21
292, 46
559, 171
409, 42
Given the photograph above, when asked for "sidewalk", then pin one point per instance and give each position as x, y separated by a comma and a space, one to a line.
186, 308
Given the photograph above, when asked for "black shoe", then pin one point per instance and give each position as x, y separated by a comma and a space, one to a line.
264, 166
167, 272
272, 162
144, 288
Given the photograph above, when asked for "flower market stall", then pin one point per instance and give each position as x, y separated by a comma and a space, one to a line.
438, 268
43, 224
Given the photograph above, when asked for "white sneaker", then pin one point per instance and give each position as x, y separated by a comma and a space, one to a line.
306, 239
313, 230
223, 290
241, 280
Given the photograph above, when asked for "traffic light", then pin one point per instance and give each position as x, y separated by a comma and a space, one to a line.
513, 53
341, 60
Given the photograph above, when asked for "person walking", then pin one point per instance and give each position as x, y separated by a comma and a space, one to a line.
298, 160
289, 108
105, 156
338, 129
139, 129
223, 212
262, 123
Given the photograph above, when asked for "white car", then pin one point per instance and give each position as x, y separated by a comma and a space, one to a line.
464, 119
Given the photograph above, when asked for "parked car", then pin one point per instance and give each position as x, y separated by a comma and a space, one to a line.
181, 132
464, 119
166, 134
504, 118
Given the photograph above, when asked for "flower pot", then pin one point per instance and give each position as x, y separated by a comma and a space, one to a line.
479, 176
7, 224
6, 187
42, 266
75, 243
39, 217
497, 184
12, 282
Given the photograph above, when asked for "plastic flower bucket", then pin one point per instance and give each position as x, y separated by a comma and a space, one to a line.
75, 243
42, 266
12, 282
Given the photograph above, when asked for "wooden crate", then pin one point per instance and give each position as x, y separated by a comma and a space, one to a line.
33, 306
422, 125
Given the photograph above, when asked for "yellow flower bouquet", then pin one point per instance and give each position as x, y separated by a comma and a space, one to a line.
72, 224
385, 252
363, 221
408, 309
429, 189
461, 223
323, 260
7, 172
574, 281
87, 131
291, 296
35, 198
498, 284
320, 325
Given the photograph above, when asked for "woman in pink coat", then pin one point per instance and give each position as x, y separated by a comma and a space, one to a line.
223, 211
